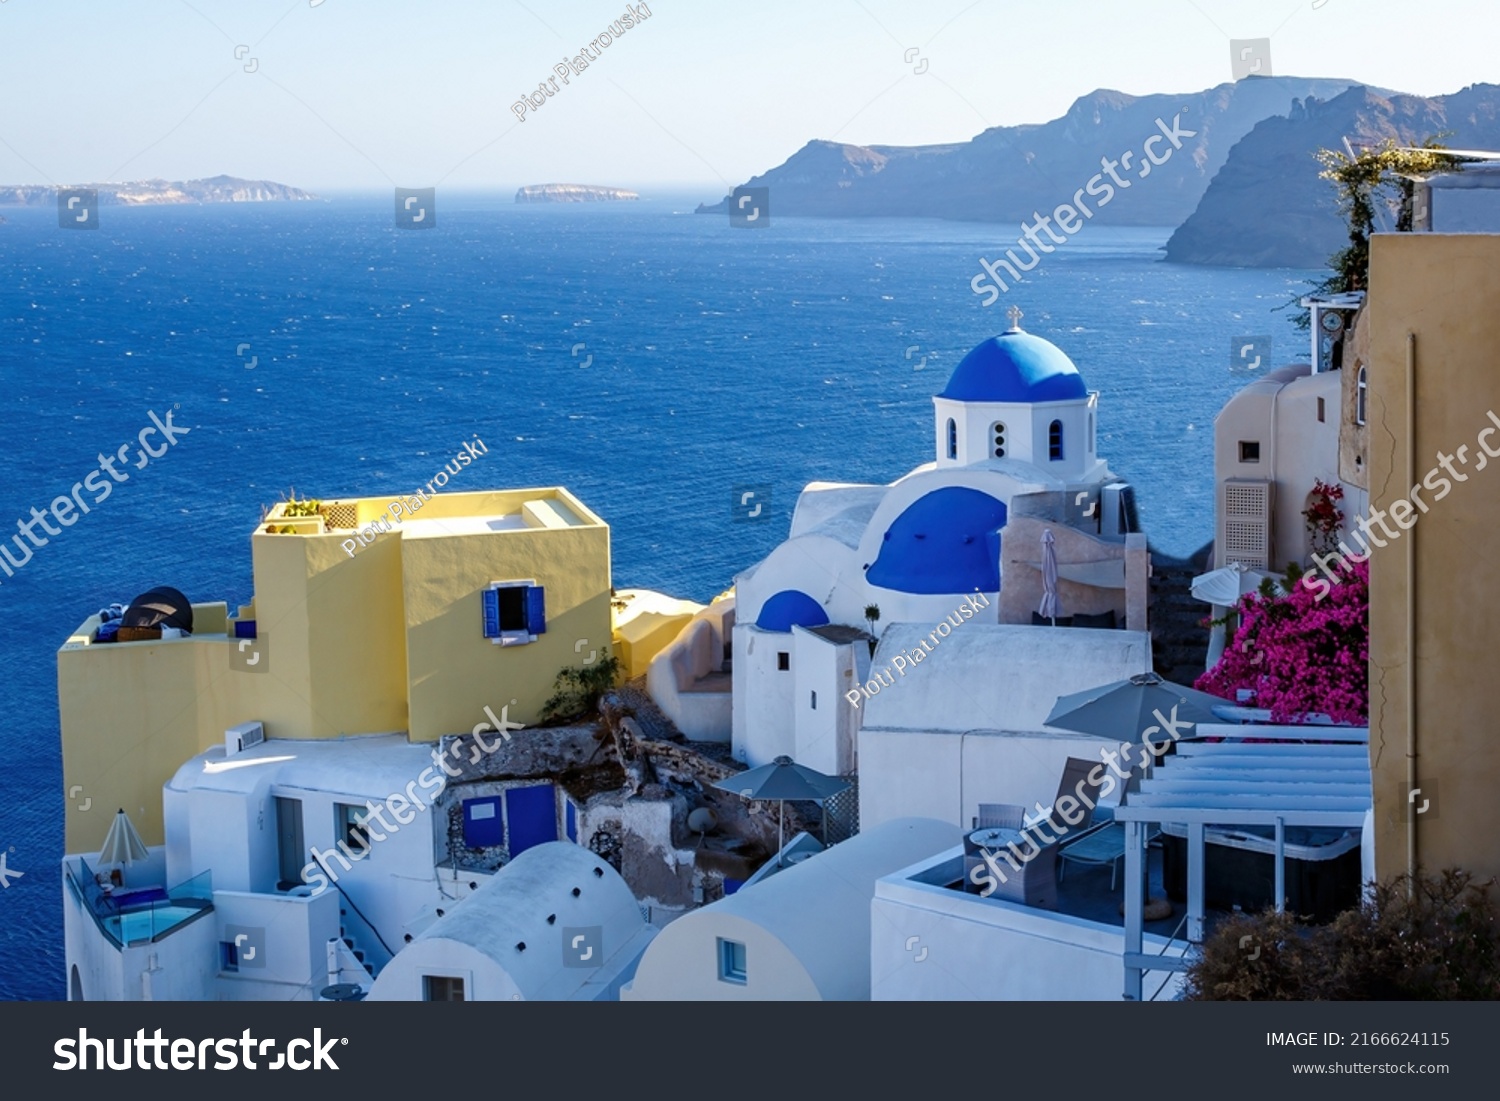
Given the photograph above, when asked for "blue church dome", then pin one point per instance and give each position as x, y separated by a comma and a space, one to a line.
790, 608
1015, 367
946, 541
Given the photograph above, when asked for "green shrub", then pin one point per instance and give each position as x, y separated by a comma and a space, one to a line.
577, 689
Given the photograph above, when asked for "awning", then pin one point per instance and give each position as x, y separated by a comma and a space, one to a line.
1104, 573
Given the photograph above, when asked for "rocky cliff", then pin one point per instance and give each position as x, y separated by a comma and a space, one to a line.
1007, 172
1268, 208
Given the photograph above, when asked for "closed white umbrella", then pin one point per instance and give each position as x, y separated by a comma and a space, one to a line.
122, 845
1226, 585
1049, 577
1223, 588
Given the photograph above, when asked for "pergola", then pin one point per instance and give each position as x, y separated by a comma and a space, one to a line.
1232, 782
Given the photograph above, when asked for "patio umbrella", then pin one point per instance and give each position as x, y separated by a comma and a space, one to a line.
1226, 585
1125, 709
782, 780
122, 845
1049, 577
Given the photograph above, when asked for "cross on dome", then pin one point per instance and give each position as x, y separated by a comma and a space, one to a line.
1015, 315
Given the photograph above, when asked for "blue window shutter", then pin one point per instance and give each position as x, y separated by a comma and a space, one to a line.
536, 610
491, 600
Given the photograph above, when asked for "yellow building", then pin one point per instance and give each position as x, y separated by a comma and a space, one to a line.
1433, 410
375, 615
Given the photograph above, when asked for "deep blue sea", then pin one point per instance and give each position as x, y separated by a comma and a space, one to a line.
710, 356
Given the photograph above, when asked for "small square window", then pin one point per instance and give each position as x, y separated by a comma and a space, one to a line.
731, 961
349, 827
442, 988
514, 612
229, 956
1321, 416
783, 660
1249, 451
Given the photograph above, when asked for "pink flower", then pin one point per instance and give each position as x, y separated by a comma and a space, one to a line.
1300, 654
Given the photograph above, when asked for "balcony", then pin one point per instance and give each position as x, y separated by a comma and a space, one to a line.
138, 912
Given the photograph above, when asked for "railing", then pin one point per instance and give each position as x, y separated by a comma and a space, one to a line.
370, 925
1171, 940
124, 922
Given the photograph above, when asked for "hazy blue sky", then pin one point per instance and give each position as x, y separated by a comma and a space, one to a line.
366, 93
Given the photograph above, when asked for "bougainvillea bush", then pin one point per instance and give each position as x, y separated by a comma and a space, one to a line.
1302, 655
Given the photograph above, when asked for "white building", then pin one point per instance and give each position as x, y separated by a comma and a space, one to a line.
555, 924
1014, 432
801, 934
968, 725
933, 941
278, 878
1272, 441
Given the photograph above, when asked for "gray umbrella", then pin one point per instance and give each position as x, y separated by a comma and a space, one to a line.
782, 780
1049, 577
1125, 709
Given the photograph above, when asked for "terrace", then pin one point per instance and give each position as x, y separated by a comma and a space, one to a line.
130, 906
1238, 817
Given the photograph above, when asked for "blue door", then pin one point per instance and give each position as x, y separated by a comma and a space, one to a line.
533, 817
483, 825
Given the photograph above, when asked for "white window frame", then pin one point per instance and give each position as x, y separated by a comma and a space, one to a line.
727, 973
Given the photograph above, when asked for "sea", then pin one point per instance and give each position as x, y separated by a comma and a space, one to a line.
653, 360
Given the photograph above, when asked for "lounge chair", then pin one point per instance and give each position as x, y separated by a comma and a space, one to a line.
1103, 845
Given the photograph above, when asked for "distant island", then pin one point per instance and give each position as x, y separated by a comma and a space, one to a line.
216, 189
572, 193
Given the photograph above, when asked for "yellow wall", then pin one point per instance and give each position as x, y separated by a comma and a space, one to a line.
454, 671
1443, 289
389, 639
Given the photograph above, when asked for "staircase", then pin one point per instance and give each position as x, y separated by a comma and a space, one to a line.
1179, 641
354, 949
363, 940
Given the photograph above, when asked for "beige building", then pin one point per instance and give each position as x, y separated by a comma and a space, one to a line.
1272, 441
1433, 411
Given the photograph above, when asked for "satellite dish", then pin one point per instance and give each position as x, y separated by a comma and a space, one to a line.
701, 821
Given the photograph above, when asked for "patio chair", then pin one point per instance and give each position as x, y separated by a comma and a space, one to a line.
1032, 879
1005, 816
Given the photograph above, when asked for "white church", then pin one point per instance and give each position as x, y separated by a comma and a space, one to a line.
1014, 440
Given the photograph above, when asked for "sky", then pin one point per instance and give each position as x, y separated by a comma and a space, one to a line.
345, 95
